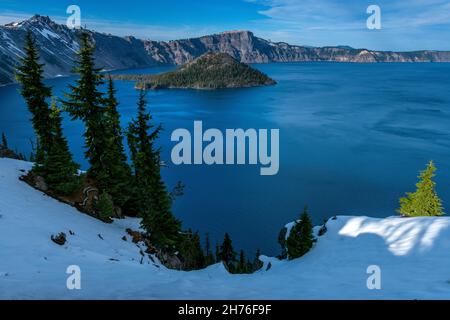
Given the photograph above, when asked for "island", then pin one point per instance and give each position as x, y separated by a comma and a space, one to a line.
210, 71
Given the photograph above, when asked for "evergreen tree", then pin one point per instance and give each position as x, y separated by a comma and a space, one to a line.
191, 251
150, 194
249, 267
300, 238
199, 254
425, 201
85, 102
118, 172
4, 141
209, 257
105, 207
227, 254
217, 254
61, 171
242, 265
35, 92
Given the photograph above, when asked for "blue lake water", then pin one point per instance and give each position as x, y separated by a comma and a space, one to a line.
352, 140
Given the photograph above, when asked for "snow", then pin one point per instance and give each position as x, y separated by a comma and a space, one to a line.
412, 253
48, 34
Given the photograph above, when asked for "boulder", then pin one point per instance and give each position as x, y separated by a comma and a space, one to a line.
170, 261
59, 239
136, 236
40, 184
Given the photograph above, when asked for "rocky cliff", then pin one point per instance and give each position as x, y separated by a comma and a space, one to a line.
58, 46
246, 47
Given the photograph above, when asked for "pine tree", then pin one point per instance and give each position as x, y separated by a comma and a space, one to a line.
425, 201
151, 197
4, 141
119, 172
227, 254
35, 92
209, 257
249, 266
217, 253
85, 103
199, 253
191, 251
300, 238
105, 207
61, 171
242, 265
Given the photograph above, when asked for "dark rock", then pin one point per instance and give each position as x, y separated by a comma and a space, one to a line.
136, 236
90, 198
59, 239
40, 184
323, 229
169, 260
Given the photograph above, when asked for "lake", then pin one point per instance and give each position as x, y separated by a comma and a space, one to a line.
353, 138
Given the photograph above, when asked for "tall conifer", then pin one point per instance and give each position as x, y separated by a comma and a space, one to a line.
4, 141
300, 238
151, 196
227, 253
242, 265
30, 74
119, 172
61, 171
85, 102
209, 257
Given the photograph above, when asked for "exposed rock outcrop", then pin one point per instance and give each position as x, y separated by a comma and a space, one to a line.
58, 45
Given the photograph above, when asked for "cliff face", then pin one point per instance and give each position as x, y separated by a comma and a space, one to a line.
246, 47
58, 46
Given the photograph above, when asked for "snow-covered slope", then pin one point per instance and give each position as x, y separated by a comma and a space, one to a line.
413, 254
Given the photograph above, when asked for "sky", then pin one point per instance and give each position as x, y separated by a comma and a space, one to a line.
405, 24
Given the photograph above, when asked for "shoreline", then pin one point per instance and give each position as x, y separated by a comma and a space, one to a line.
256, 63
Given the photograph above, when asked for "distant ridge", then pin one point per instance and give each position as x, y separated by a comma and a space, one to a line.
58, 45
